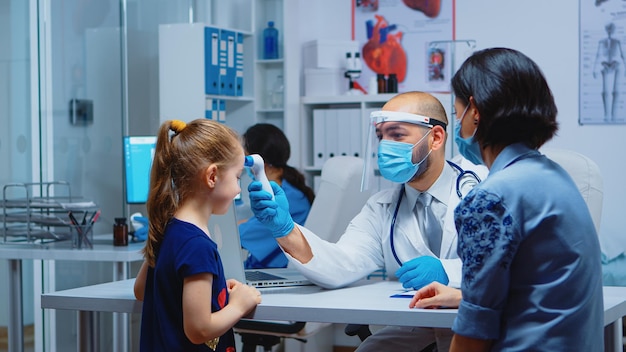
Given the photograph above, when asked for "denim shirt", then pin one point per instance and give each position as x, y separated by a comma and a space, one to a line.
532, 276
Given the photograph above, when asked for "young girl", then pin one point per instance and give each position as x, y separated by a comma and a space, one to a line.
188, 305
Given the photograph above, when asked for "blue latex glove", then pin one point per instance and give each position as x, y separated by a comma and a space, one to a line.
419, 272
272, 213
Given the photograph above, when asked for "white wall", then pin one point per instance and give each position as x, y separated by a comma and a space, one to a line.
546, 31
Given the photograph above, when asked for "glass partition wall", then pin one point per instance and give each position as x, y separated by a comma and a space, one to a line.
75, 77
19, 136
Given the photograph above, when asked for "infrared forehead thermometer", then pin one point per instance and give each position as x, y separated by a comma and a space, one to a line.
257, 166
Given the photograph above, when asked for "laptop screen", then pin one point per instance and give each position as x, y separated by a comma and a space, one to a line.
138, 154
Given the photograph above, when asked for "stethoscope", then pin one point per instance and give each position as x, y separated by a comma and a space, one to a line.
466, 177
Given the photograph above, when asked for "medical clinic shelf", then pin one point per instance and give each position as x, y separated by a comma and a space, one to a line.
29, 219
347, 99
230, 98
364, 103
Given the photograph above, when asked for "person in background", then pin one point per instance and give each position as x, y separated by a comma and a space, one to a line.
188, 305
273, 146
388, 233
532, 277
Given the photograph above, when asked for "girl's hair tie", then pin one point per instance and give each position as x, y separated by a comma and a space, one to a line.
177, 126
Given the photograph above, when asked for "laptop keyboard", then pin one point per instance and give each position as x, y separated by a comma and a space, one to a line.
261, 276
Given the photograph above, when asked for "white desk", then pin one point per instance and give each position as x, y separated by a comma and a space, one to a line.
103, 251
365, 303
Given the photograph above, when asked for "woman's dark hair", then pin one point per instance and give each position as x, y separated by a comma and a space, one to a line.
271, 143
512, 97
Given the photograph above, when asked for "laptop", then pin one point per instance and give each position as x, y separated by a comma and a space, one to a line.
225, 232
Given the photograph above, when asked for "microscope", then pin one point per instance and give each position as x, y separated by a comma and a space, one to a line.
353, 71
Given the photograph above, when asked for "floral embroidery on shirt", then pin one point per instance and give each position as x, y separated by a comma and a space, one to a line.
485, 228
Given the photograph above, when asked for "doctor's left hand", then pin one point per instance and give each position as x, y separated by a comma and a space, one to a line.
272, 213
419, 272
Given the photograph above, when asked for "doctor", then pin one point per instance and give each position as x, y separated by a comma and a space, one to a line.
387, 233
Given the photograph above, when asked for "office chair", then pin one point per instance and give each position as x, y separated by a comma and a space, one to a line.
337, 201
585, 173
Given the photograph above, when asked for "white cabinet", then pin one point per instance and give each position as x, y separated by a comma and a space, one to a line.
187, 54
330, 123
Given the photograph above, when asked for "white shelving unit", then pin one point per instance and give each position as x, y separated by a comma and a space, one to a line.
282, 12
181, 80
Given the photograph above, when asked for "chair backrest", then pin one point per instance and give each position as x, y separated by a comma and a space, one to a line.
586, 175
339, 198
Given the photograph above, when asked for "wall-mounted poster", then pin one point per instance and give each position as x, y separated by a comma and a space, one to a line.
395, 37
602, 82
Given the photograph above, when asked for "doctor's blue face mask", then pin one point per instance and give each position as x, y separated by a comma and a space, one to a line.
468, 147
395, 160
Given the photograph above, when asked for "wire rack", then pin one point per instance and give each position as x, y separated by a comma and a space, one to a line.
41, 212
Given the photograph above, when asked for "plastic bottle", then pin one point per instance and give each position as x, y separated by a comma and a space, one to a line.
270, 41
120, 232
392, 83
278, 90
372, 88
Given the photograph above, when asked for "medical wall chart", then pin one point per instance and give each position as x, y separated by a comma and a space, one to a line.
602, 80
394, 37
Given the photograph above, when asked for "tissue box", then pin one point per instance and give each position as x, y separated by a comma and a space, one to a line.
325, 82
328, 53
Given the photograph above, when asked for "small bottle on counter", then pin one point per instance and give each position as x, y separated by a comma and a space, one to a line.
382, 83
120, 232
373, 86
392, 83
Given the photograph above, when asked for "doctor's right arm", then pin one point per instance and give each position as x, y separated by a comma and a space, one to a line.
327, 264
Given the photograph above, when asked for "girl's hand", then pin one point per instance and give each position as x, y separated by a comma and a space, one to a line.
230, 283
244, 296
436, 295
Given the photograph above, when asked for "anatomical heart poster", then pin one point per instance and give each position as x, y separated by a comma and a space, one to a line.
396, 37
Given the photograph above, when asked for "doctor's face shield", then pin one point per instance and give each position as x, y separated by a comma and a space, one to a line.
399, 160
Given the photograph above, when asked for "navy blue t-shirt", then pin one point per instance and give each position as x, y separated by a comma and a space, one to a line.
186, 250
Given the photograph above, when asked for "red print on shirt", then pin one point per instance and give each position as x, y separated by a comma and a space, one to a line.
221, 298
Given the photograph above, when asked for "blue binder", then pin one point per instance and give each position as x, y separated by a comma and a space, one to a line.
227, 62
239, 65
212, 109
221, 115
211, 60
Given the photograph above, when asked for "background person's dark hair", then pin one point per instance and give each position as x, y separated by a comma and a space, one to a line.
511, 95
271, 143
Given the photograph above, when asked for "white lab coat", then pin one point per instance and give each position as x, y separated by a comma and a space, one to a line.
365, 246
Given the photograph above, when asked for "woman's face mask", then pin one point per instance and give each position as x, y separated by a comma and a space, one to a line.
468, 147
395, 160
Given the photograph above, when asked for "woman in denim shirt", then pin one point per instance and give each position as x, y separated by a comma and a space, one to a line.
532, 277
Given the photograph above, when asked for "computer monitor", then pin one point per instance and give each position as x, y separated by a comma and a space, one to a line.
138, 154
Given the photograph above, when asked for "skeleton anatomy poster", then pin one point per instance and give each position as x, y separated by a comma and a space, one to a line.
602, 81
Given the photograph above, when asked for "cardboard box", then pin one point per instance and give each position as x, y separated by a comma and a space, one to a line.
328, 53
325, 82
